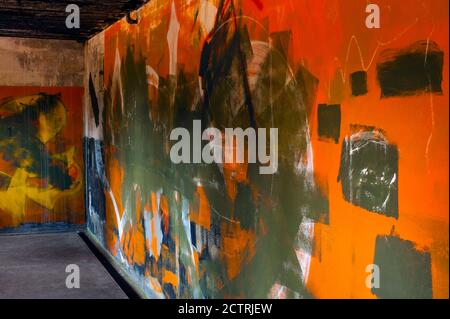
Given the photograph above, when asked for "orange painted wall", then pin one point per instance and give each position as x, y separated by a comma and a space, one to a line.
330, 39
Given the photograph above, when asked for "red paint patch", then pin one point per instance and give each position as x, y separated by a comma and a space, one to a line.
259, 4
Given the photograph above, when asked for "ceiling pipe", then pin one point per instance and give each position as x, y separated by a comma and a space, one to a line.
132, 20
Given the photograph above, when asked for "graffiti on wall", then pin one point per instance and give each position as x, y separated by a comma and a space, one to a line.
342, 198
40, 165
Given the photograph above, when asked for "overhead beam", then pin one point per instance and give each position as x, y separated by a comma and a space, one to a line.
46, 19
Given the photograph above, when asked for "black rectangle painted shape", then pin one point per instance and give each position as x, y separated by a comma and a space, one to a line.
404, 272
369, 171
359, 83
329, 118
4, 182
414, 70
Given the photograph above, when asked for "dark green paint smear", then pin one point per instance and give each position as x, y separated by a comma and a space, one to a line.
282, 201
405, 273
369, 171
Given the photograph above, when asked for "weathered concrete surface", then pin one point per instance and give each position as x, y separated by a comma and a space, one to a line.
93, 66
46, 19
36, 62
34, 267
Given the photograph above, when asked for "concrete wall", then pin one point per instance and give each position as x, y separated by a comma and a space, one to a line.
36, 62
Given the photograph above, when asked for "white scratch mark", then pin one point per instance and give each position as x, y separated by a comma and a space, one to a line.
172, 39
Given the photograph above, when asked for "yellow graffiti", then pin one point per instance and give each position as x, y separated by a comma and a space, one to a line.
22, 184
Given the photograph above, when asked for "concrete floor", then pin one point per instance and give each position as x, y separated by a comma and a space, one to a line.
34, 267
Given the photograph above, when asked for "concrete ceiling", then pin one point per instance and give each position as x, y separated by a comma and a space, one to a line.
47, 19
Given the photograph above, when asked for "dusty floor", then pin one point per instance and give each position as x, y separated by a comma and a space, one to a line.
34, 266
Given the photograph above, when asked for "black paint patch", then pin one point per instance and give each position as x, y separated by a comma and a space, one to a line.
193, 235
96, 184
245, 210
329, 117
414, 70
94, 101
359, 83
369, 171
404, 271
4, 182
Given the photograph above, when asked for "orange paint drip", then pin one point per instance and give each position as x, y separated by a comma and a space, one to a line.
115, 173
233, 172
165, 213
238, 247
154, 203
196, 261
170, 278
134, 246
201, 212
139, 246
